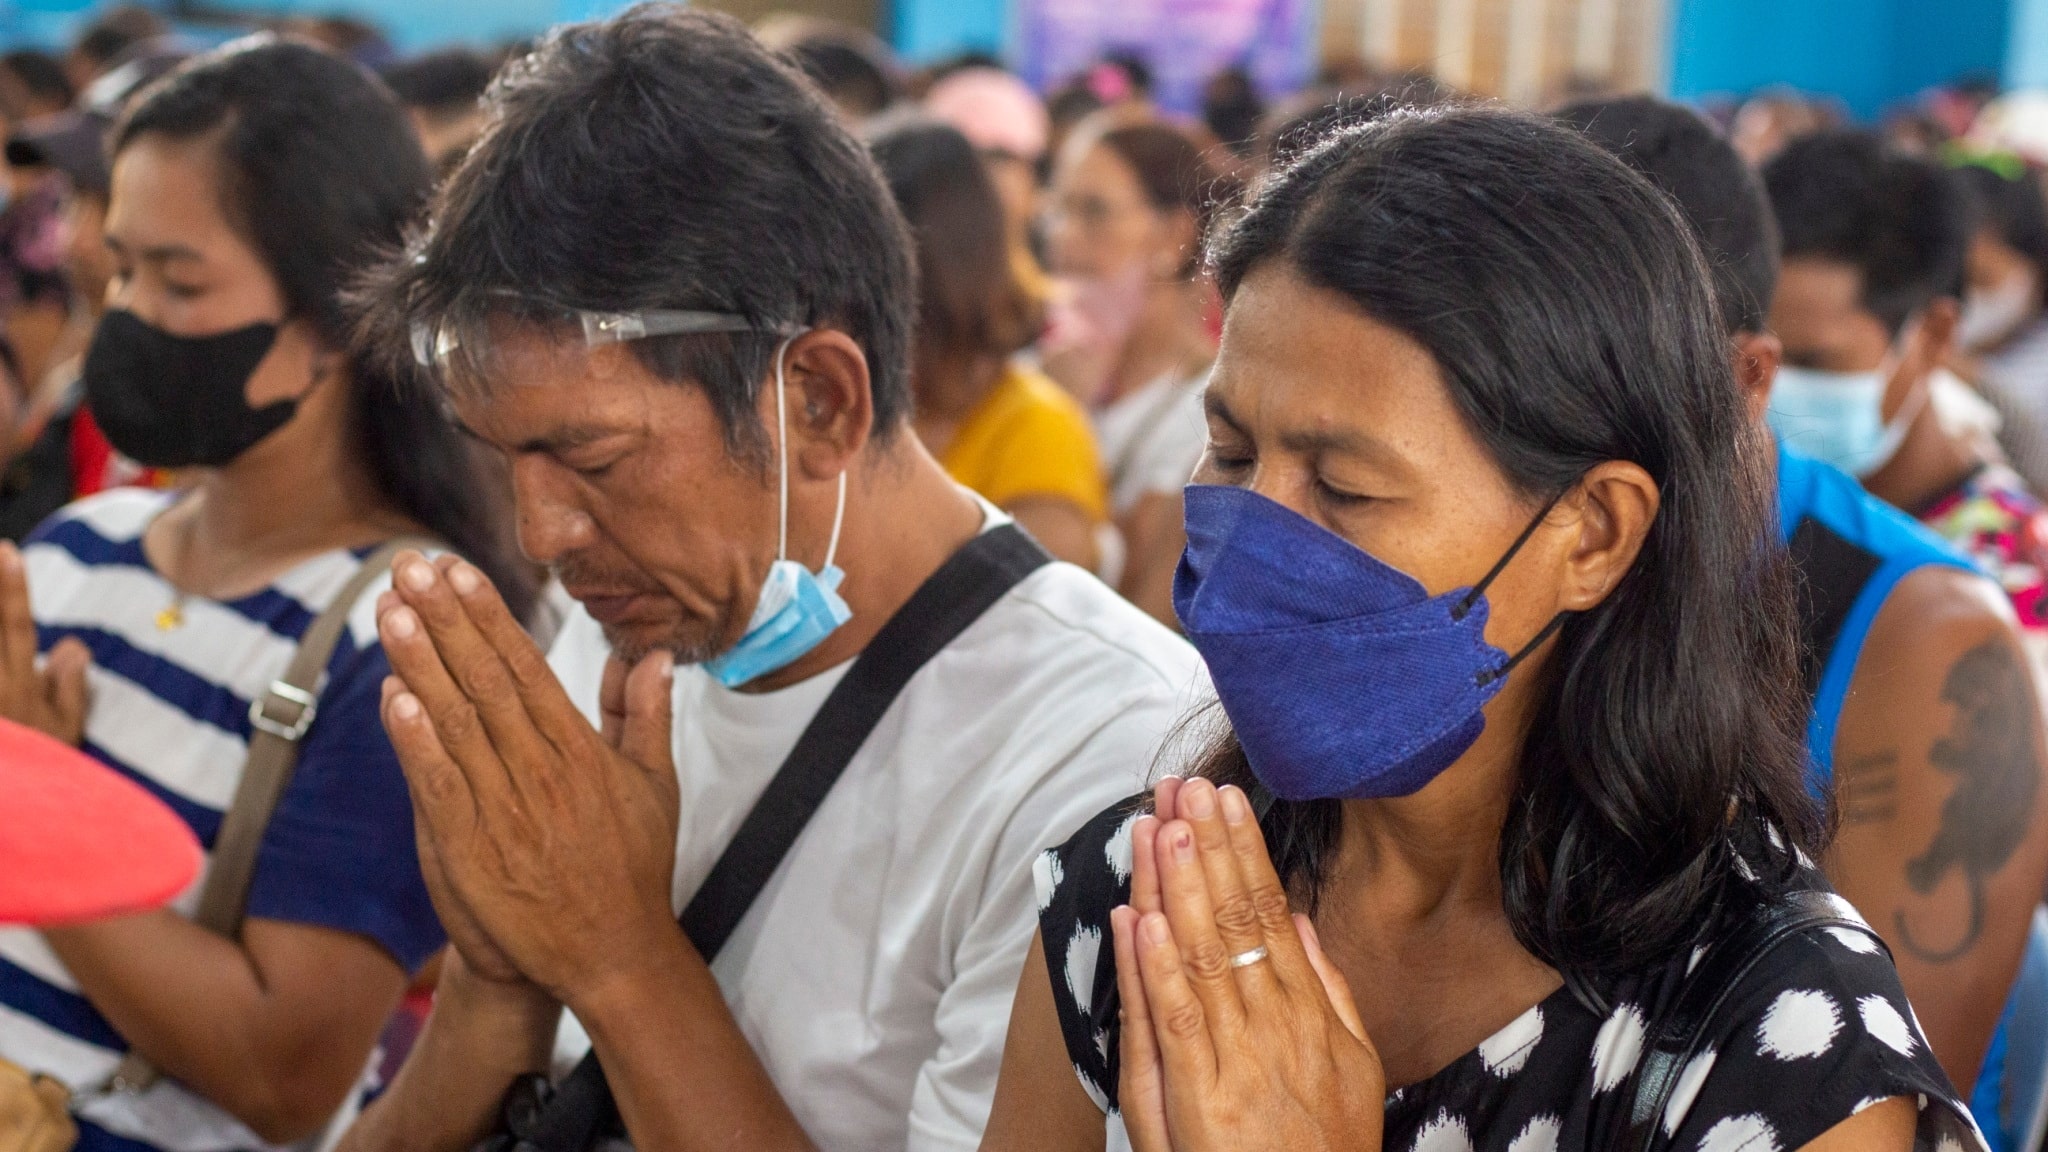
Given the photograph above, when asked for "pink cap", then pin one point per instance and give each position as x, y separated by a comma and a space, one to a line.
79, 841
995, 111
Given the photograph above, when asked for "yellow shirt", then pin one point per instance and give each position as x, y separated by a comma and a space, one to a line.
1029, 438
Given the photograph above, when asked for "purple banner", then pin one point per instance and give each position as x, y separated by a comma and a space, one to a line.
1184, 42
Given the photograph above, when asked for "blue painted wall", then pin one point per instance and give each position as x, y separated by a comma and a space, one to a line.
1933, 43
1871, 53
923, 30
412, 24
2026, 54
927, 30
46, 23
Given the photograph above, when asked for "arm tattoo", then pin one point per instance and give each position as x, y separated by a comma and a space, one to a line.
1990, 751
1869, 788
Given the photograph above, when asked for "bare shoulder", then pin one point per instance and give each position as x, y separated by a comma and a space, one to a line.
1942, 631
1888, 1126
1936, 610
1942, 714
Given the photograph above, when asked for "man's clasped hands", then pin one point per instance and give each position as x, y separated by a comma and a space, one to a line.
547, 844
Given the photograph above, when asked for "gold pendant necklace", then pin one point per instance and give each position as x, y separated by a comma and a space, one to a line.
173, 615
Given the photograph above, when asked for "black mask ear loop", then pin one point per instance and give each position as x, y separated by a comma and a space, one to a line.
1471, 600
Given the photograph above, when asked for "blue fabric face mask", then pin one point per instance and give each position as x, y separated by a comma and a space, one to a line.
1342, 677
1838, 417
797, 608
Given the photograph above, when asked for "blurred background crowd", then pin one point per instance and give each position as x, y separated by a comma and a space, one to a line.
1058, 161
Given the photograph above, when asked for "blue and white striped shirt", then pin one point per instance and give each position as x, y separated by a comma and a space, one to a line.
170, 709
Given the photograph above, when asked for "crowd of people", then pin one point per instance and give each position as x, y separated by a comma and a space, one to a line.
696, 586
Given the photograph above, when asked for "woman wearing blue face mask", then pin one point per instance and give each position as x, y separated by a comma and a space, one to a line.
1501, 841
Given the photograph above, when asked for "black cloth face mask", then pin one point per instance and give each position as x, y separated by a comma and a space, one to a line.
168, 401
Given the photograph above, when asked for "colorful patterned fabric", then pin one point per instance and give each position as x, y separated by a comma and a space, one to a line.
2004, 528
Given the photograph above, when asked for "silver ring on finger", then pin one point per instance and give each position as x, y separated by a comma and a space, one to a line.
1247, 959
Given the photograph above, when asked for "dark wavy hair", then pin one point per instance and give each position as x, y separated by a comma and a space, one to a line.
1720, 195
661, 159
320, 173
1903, 222
970, 303
1570, 313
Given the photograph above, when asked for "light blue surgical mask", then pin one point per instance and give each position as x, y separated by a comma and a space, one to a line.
797, 608
1838, 417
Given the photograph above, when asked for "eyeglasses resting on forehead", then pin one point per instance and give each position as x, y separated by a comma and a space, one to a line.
432, 344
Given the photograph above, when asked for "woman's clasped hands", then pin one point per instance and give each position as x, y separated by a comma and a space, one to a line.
49, 695
1238, 1032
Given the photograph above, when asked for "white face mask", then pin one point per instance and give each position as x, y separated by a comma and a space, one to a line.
1992, 314
1963, 412
1838, 417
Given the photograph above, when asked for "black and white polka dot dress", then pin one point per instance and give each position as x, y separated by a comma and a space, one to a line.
1814, 1034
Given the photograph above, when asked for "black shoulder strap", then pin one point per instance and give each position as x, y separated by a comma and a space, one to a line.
967, 585
1681, 1033
964, 587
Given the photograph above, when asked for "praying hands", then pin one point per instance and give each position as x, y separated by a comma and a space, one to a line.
1238, 1033
547, 845
49, 696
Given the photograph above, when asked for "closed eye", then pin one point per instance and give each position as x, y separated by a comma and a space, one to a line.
592, 464
1339, 497
593, 471
1228, 449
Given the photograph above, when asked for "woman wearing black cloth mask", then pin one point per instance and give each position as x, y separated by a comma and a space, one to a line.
1474, 560
247, 186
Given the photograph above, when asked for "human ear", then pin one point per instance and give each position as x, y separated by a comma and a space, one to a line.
1617, 502
1180, 237
1935, 340
298, 363
328, 363
1757, 355
830, 400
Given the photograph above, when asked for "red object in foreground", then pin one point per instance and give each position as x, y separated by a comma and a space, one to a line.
78, 841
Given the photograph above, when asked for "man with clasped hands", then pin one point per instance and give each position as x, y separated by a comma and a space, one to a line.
675, 293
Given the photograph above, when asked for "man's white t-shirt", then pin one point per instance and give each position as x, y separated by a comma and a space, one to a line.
874, 974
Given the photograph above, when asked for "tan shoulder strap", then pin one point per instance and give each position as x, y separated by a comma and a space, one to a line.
278, 719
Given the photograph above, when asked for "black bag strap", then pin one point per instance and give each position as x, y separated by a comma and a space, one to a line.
965, 586
1682, 1032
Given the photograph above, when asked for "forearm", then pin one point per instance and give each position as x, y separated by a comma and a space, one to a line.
201, 1008
181, 995
1039, 1102
479, 1039
684, 1076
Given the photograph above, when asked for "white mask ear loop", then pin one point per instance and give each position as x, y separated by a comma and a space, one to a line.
1909, 408
782, 442
782, 434
838, 519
